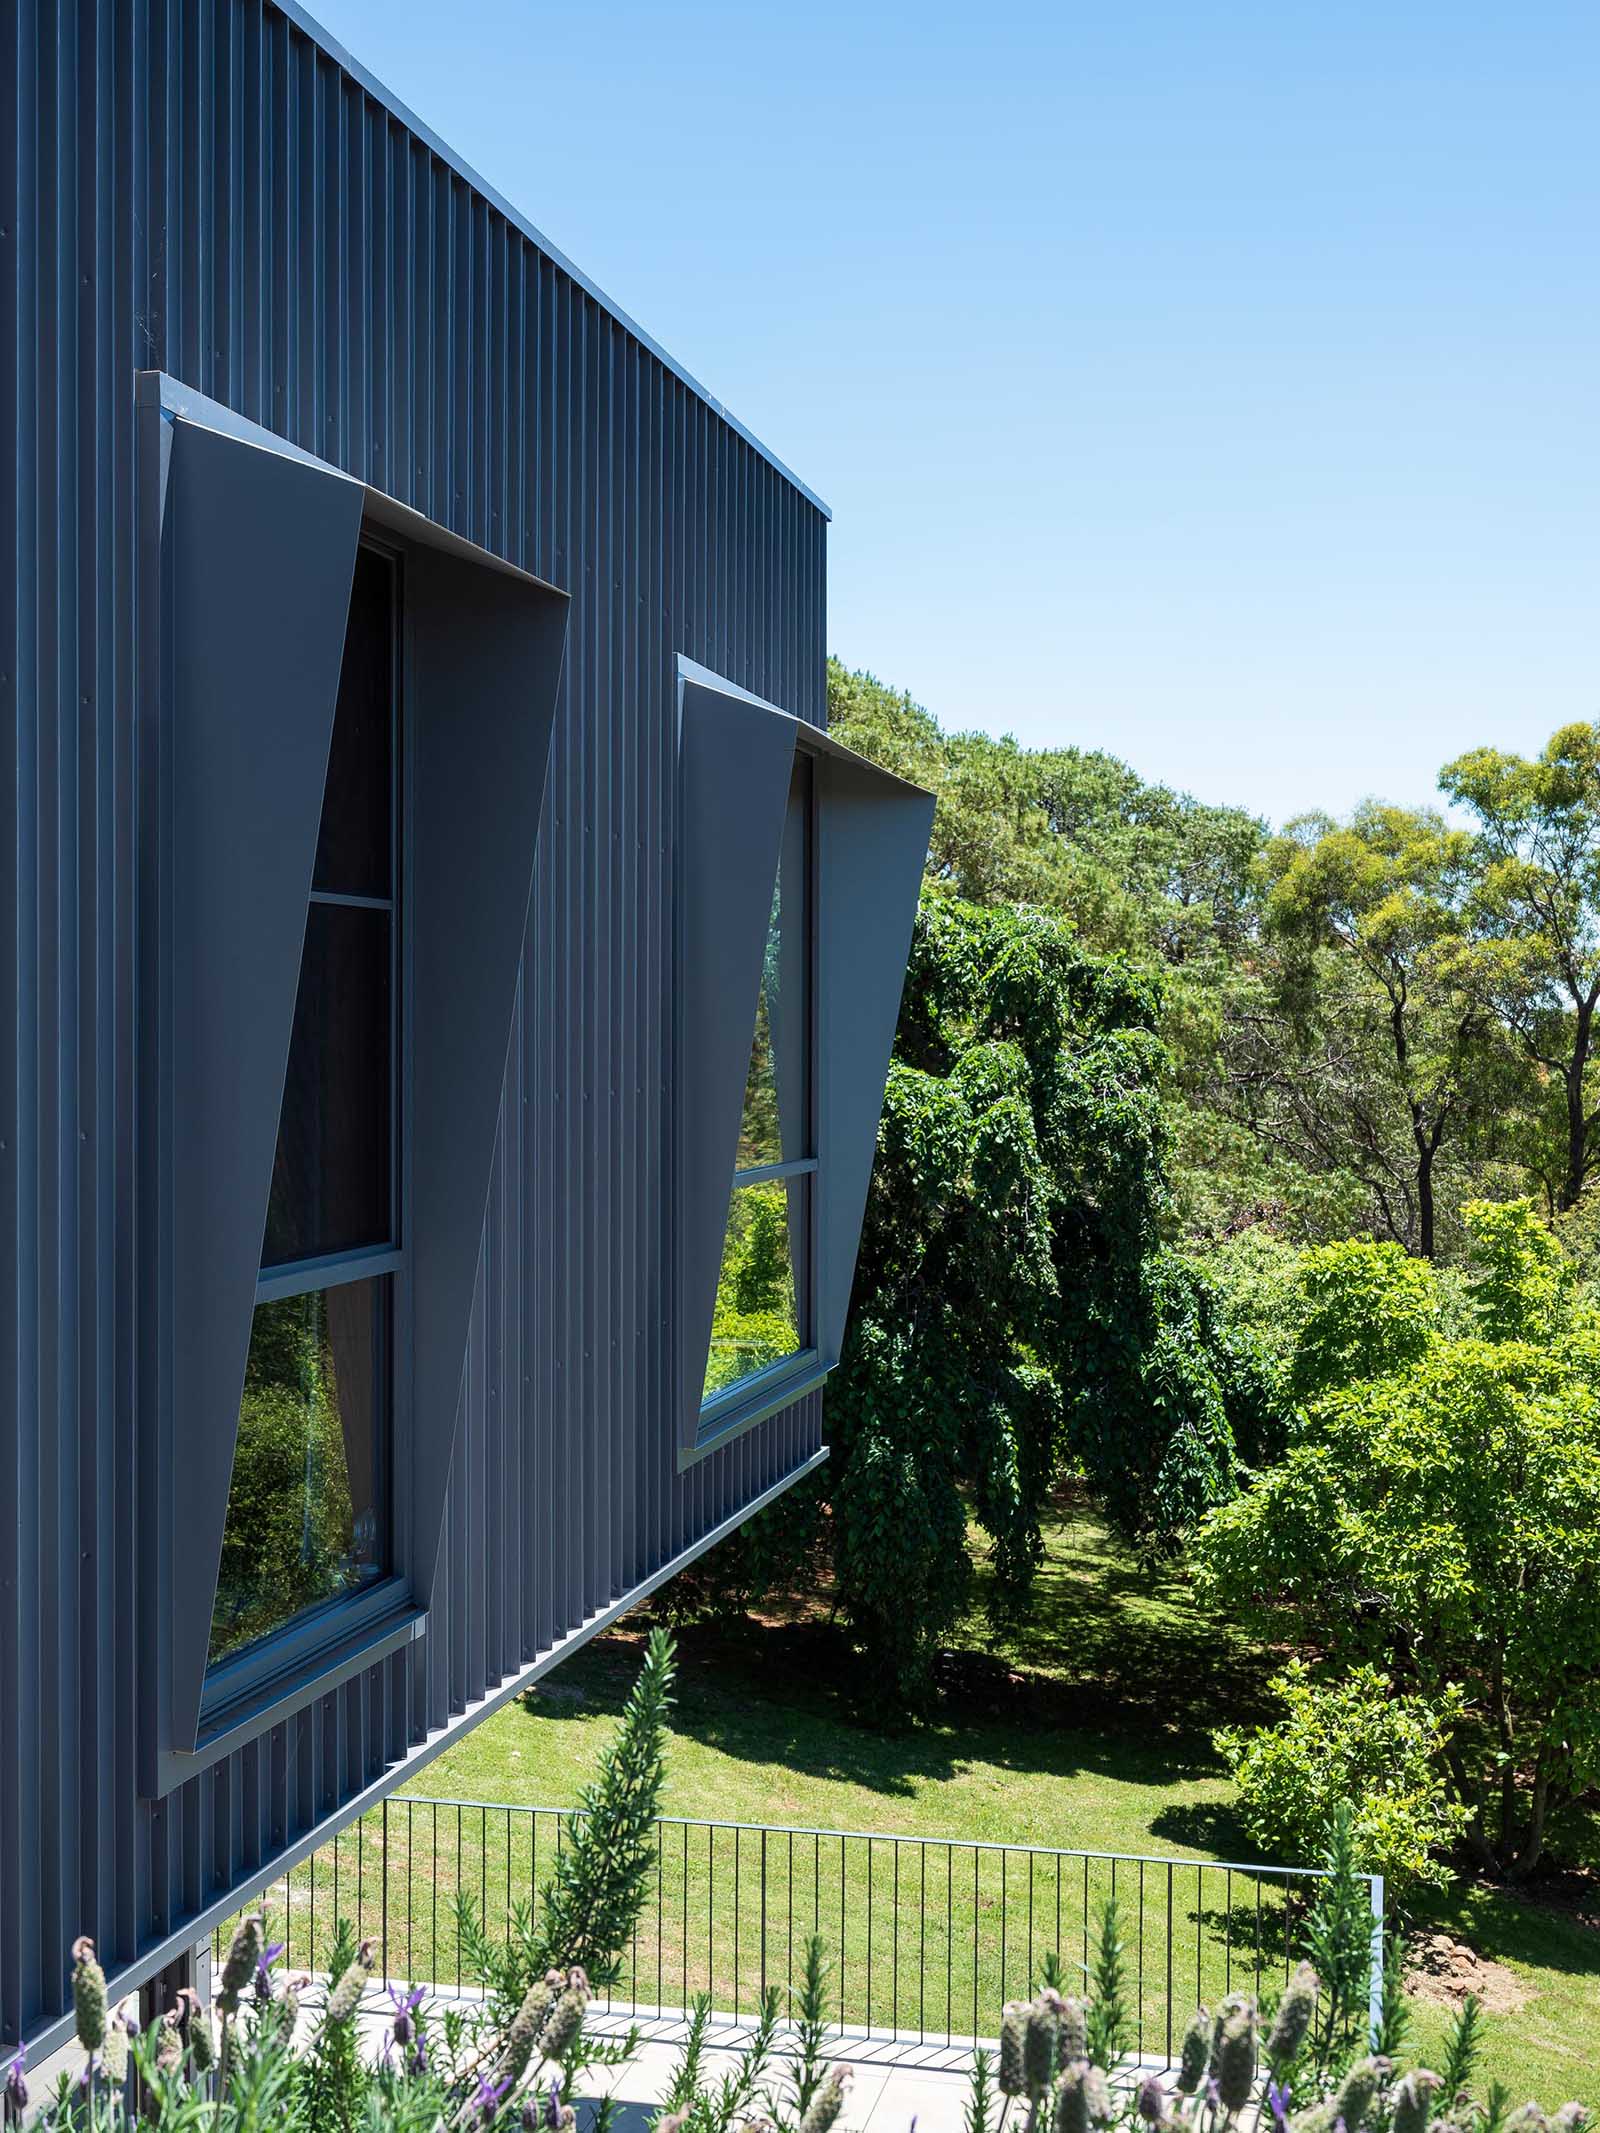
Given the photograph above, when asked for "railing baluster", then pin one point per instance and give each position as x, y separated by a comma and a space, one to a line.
869, 1932
922, 1949
843, 1958
894, 1946
977, 1943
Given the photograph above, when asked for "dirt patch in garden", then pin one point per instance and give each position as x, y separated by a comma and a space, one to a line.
1448, 1971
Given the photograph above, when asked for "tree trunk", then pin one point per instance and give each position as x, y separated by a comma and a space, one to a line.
1531, 1849
1425, 1156
1577, 1124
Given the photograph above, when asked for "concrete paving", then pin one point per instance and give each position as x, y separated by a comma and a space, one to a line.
895, 2082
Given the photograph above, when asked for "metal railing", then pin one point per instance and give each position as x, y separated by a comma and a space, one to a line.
927, 1937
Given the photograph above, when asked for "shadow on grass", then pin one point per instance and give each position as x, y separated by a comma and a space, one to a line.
1114, 1672
1207, 1826
1511, 1928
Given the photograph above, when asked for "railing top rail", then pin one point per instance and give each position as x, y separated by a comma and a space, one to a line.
891, 1836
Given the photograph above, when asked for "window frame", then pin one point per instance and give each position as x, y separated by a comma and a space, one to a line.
300, 1648
737, 1407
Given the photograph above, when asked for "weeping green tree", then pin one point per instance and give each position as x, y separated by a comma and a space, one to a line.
1016, 1308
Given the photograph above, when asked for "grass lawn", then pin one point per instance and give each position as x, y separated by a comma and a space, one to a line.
1086, 1728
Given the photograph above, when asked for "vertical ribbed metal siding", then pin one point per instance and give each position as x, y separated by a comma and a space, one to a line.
197, 187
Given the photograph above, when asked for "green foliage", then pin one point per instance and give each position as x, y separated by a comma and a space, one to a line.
1135, 869
1535, 907
331, 2080
1338, 1946
1463, 2049
802, 2094
1369, 1048
1356, 1740
482, 2066
1524, 1286
978, 2114
1368, 1021
1109, 2034
1322, 2069
1441, 1518
597, 1889
1368, 1309
1015, 1303
754, 1319
289, 1539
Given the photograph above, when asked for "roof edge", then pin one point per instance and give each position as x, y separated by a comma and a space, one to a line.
341, 57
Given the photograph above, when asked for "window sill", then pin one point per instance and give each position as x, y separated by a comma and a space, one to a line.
731, 1413
263, 1699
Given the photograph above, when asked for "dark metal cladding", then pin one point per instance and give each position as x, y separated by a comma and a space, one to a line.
202, 187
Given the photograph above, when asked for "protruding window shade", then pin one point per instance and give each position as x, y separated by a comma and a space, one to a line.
258, 545
806, 948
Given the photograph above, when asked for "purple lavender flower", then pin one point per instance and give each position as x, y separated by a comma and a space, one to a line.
264, 1962
419, 2058
405, 2005
487, 2100
16, 2088
1278, 2105
1152, 2100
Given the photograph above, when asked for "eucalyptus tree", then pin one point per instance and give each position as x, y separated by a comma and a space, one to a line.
1367, 1045
1535, 907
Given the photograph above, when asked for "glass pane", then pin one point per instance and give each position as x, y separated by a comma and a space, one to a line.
776, 1125
353, 856
330, 1176
763, 1304
307, 1517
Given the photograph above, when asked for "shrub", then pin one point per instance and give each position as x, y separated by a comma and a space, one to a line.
1438, 1515
1355, 1739
1309, 2048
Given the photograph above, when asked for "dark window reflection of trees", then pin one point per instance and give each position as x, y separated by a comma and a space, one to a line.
297, 1533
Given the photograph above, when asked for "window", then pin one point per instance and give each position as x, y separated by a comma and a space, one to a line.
309, 1514
763, 1318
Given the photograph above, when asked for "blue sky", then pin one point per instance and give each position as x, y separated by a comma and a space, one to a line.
1215, 383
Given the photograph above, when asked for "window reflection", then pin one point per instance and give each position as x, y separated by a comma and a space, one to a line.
775, 1124
763, 1308
760, 1315
306, 1506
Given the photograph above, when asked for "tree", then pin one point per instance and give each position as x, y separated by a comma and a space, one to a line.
1015, 1304
1355, 1740
1370, 1048
1536, 901
1438, 1515
1137, 868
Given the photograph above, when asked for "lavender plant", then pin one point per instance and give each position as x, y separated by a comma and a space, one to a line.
292, 2054
1302, 2064
802, 2093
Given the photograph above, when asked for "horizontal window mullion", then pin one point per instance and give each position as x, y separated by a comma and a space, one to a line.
759, 1174
352, 903
303, 1275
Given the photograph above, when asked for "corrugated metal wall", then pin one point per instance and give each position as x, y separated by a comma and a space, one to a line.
196, 186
